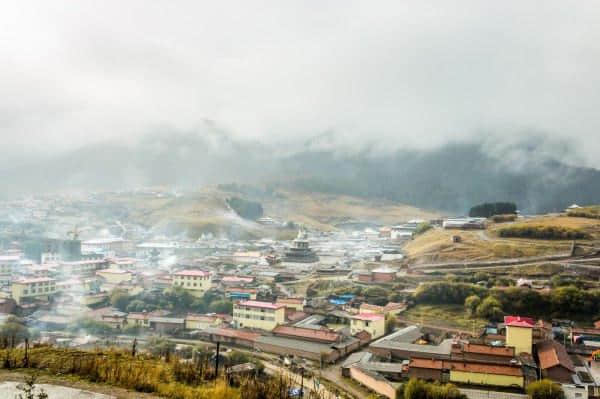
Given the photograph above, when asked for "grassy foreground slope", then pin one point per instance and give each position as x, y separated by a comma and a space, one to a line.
437, 245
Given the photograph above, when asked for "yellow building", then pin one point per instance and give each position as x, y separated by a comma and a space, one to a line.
197, 282
372, 323
519, 333
256, 314
114, 276
33, 288
141, 319
486, 374
292, 303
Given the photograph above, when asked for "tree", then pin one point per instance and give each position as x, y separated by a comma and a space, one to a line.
471, 303
221, 306
246, 209
13, 328
415, 389
490, 308
487, 210
545, 389
139, 306
119, 299
390, 324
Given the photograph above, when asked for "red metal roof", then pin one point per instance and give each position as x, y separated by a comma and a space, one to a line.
518, 321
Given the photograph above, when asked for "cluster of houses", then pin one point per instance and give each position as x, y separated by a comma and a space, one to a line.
508, 356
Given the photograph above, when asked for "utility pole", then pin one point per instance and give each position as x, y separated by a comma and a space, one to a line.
301, 382
217, 360
26, 359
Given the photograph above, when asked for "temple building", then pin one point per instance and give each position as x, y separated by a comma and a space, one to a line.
300, 251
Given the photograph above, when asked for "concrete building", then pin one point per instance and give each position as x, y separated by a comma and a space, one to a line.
114, 276
8, 264
197, 282
372, 323
256, 314
519, 333
292, 303
202, 321
41, 288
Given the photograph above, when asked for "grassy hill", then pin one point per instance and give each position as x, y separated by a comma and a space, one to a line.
437, 245
207, 210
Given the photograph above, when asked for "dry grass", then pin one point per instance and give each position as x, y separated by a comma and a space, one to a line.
436, 245
325, 211
171, 378
450, 316
207, 211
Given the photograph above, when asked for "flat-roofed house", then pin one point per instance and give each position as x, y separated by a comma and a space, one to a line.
257, 314
115, 276
202, 321
196, 282
41, 288
372, 323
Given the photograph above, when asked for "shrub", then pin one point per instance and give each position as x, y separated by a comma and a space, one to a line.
543, 232
545, 389
504, 218
487, 210
447, 292
246, 209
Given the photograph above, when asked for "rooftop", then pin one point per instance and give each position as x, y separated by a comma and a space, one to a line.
551, 354
518, 321
368, 316
34, 280
308, 333
200, 273
259, 304
489, 350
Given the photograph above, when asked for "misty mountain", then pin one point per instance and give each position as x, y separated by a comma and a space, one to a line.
451, 178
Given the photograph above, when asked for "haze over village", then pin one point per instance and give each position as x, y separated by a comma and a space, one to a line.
299, 199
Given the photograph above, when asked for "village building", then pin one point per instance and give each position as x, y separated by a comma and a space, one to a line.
115, 276
554, 361
372, 323
257, 314
300, 251
196, 282
519, 333
292, 303
202, 321
29, 289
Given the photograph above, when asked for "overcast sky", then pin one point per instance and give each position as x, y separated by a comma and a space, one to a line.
400, 72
